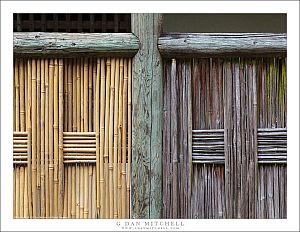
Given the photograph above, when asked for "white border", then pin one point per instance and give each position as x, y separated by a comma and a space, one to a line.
289, 7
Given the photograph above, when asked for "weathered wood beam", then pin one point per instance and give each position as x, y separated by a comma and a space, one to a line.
146, 183
70, 44
221, 44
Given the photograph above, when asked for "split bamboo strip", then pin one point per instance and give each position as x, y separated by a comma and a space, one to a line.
26, 90
81, 191
82, 85
124, 132
73, 207
115, 141
21, 195
70, 184
43, 139
95, 61
90, 91
66, 96
102, 130
94, 197
14, 191
60, 136
34, 139
22, 94
17, 92
55, 128
17, 192
38, 137
74, 97
129, 137
26, 194
70, 94
78, 96
97, 118
86, 190
47, 196
106, 136
77, 191
65, 215
14, 98
51, 78
90, 191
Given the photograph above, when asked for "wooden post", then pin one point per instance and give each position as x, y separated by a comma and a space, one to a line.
146, 122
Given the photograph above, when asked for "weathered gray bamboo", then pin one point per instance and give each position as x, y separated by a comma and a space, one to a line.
68, 44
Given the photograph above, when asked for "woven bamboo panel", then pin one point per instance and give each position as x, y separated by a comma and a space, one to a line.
72, 138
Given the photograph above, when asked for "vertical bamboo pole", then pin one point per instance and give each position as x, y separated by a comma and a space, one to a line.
66, 93
14, 98
120, 124
38, 137
102, 118
124, 130
85, 128
77, 191
94, 93
97, 118
17, 192
55, 128
65, 193
47, 196
21, 214
111, 137
81, 191
115, 141
106, 137
29, 129
70, 93
78, 95
14, 190
51, 78
17, 92
25, 193
73, 210
90, 191
70, 183
86, 191
74, 95
129, 137
22, 95
82, 95
60, 135
42, 138
26, 91
34, 139
90, 89
94, 203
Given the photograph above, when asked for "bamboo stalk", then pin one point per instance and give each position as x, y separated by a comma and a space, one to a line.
73, 210
22, 94
21, 214
34, 139
82, 109
51, 78
65, 215
90, 191
14, 98
74, 95
14, 191
42, 138
77, 191
25, 193
102, 118
17, 92
129, 137
55, 128
124, 130
17, 192
38, 137
106, 137
90, 89
81, 191
47, 196
70, 183
70, 93
94, 198
78, 96
94, 93
26, 91
60, 137
66, 93
86, 191
115, 140
29, 129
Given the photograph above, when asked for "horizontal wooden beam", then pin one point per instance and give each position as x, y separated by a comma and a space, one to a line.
70, 44
222, 44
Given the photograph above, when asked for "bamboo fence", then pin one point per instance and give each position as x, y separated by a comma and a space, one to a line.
238, 125
72, 137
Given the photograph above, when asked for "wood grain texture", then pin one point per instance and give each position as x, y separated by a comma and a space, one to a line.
70, 44
220, 44
146, 121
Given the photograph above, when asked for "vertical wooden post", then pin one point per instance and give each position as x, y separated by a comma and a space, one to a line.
147, 116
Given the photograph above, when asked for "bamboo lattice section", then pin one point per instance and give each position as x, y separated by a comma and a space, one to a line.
72, 137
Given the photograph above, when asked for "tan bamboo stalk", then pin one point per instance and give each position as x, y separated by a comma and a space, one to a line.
25, 193
42, 138
115, 140
111, 137
81, 191
73, 210
77, 191
78, 96
70, 93
14, 98
124, 128
94, 93
82, 95
74, 92
22, 94
129, 137
55, 128
60, 135
17, 92
17, 192
38, 136
86, 191
90, 191
14, 191
29, 129
106, 137
34, 139
102, 119
97, 118
26, 91
120, 135
65, 215
94, 204
67, 62
21, 192
70, 183
51, 78
90, 89
47, 196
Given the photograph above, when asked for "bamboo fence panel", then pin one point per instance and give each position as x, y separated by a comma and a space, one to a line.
71, 150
